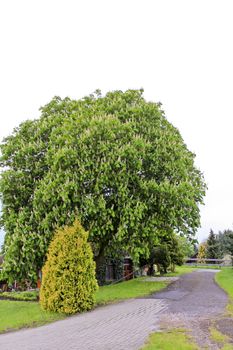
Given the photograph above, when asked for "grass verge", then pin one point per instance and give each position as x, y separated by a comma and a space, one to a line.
180, 270
23, 296
125, 290
225, 280
170, 340
19, 314
206, 267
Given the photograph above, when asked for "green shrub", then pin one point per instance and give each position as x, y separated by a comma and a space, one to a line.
161, 258
24, 296
68, 276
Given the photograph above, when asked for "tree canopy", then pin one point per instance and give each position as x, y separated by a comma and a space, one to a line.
114, 160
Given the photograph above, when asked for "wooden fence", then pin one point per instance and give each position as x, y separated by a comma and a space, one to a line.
205, 262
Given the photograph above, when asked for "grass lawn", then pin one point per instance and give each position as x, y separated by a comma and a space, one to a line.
174, 339
225, 280
19, 314
180, 270
203, 266
126, 290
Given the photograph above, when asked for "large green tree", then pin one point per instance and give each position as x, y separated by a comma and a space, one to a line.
115, 161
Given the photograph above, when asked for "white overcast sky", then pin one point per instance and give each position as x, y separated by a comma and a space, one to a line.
179, 51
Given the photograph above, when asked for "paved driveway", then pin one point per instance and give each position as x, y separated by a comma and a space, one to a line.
191, 302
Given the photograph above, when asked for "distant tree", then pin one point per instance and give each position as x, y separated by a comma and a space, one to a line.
212, 246
201, 253
177, 249
230, 245
186, 246
225, 239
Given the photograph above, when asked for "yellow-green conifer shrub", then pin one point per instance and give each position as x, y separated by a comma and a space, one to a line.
68, 276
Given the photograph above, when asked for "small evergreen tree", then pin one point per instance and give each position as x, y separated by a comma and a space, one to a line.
68, 276
212, 246
201, 253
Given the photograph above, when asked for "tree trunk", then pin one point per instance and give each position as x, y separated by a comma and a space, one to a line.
100, 267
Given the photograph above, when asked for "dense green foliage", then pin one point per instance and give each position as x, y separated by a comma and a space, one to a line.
170, 252
114, 161
187, 247
68, 276
175, 251
219, 244
212, 246
161, 258
225, 240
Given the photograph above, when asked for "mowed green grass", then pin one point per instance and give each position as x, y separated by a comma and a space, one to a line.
19, 314
225, 280
126, 290
175, 339
180, 270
